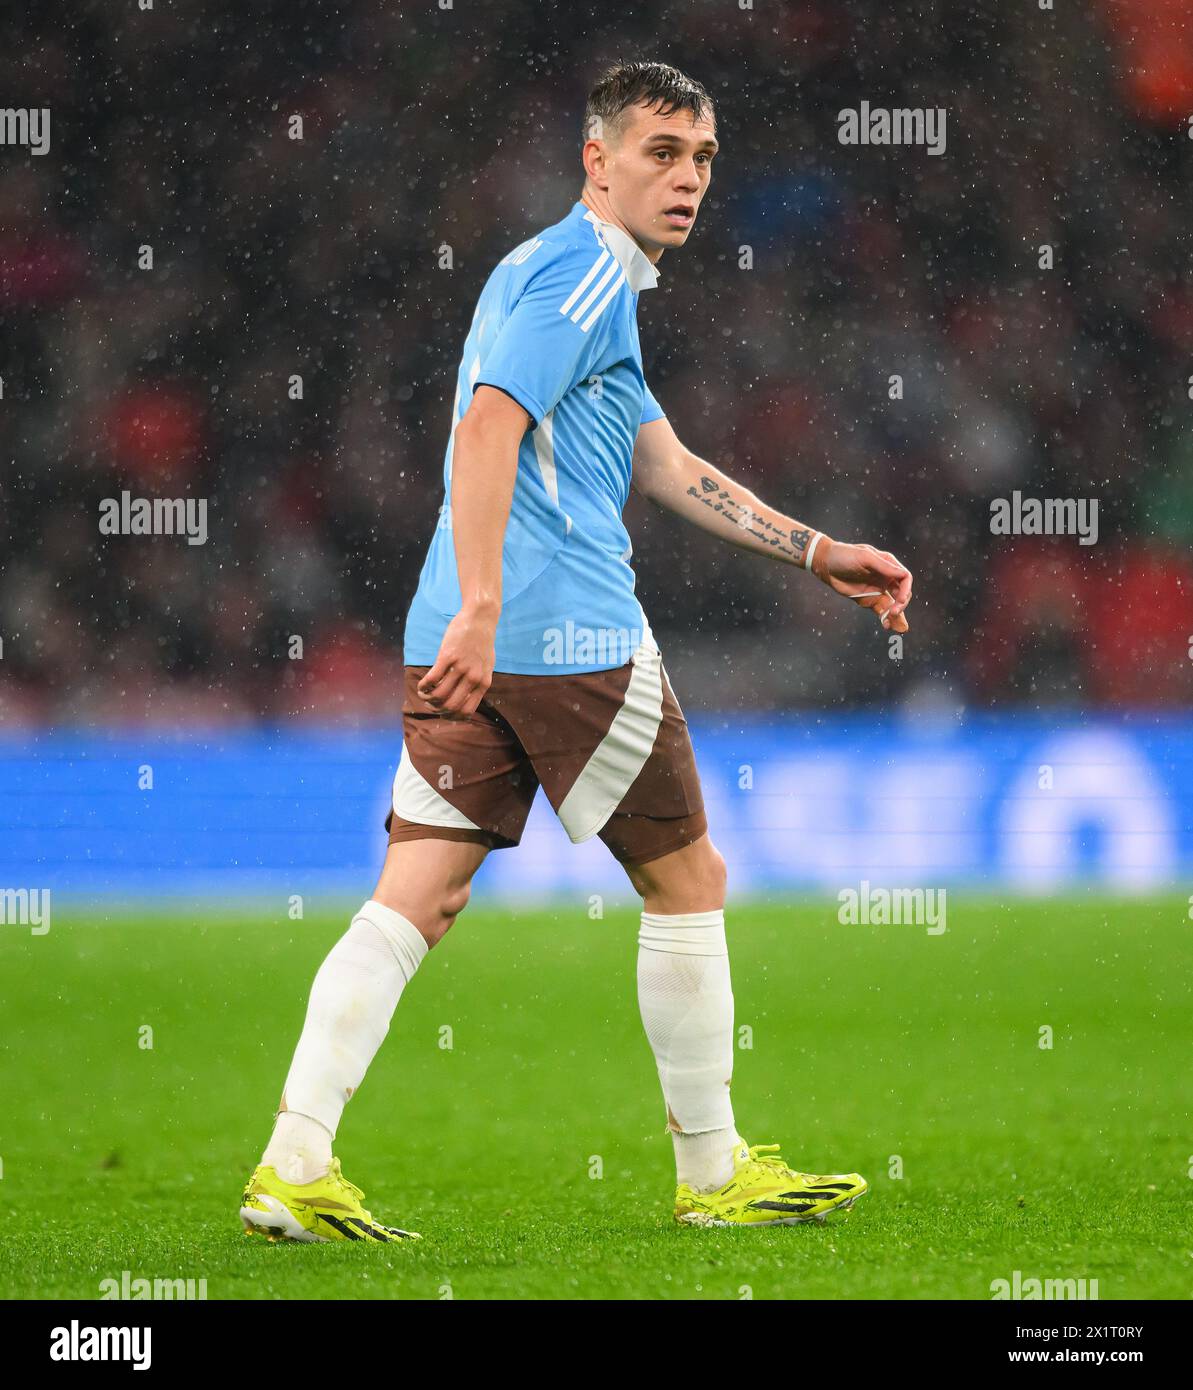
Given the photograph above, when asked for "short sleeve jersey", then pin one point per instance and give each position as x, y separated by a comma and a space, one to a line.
556, 329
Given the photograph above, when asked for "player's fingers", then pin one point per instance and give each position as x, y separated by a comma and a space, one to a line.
454, 704
884, 564
467, 694
900, 588
433, 677
894, 577
441, 693
891, 618
472, 703
882, 605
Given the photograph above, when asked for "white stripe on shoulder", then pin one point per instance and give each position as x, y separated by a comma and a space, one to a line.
584, 305
566, 306
600, 308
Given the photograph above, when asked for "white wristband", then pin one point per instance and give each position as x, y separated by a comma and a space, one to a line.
811, 550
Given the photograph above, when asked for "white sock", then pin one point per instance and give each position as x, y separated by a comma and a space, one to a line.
705, 1161
300, 1149
686, 998
352, 1001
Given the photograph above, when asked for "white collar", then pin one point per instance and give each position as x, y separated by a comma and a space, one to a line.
640, 274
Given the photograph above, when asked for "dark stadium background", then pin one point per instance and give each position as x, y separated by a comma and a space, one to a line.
426, 127
196, 815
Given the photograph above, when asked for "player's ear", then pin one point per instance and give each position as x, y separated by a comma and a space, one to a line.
593, 156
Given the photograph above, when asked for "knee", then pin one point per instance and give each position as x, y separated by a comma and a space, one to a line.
453, 901
434, 914
690, 881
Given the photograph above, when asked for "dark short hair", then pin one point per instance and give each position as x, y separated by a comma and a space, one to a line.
631, 84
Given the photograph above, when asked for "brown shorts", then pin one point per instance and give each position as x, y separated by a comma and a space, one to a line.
610, 748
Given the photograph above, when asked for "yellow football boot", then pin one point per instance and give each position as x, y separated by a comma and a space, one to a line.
765, 1192
330, 1208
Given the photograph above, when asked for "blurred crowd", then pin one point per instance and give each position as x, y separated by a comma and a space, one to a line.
433, 140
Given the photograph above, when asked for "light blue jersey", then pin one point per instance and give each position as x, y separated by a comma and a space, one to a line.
556, 328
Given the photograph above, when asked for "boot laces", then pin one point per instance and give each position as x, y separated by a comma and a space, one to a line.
343, 1181
774, 1161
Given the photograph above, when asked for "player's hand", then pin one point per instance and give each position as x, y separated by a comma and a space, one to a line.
463, 669
872, 578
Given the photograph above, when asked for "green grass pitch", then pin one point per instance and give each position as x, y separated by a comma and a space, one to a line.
867, 1043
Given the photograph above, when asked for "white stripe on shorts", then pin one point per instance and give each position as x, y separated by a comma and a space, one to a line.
416, 800
622, 753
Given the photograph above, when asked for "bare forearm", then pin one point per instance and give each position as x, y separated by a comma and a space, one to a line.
675, 478
482, 489
703, 495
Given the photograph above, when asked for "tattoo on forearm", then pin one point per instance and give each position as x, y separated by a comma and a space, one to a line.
715, 497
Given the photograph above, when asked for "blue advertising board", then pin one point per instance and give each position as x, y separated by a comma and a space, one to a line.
807, 802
